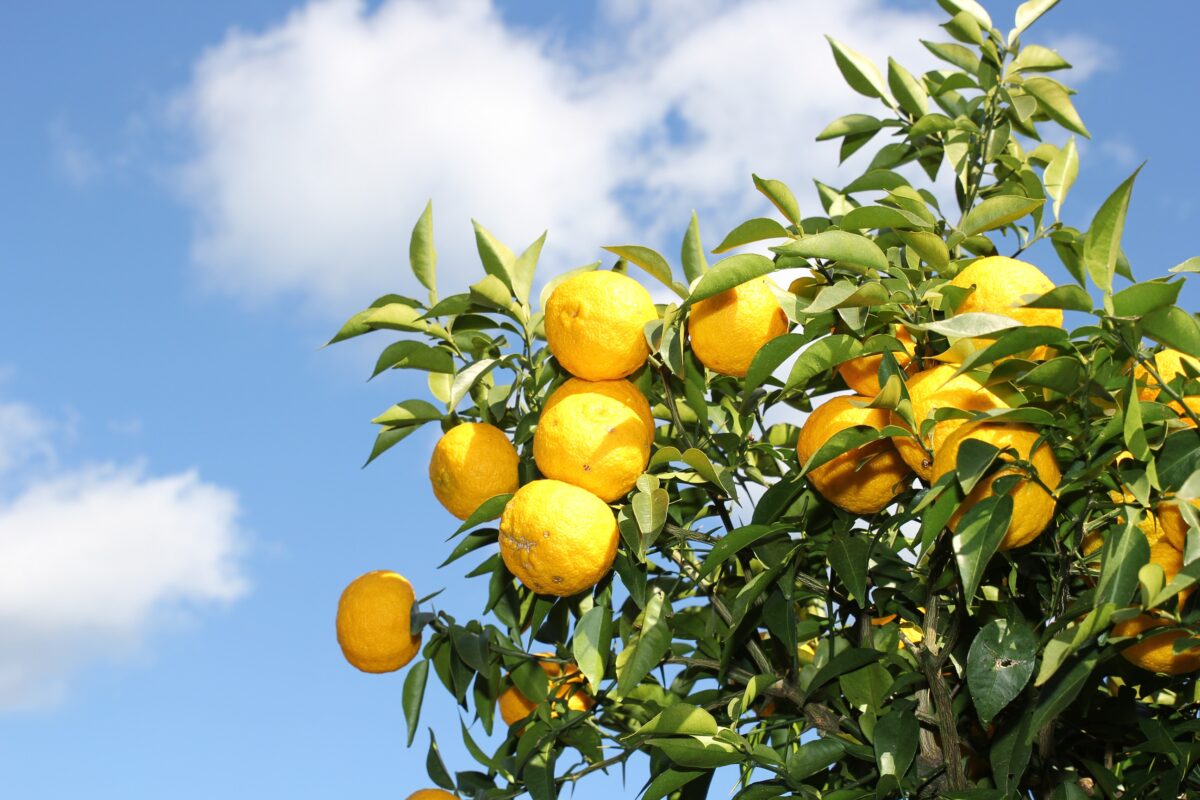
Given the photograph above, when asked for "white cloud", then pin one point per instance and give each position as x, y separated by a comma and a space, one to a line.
93, 559
318, 141
1086, 54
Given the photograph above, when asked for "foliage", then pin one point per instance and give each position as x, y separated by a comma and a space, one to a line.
716, 642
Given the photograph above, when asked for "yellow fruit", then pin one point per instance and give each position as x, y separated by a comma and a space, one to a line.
1173, 525
1156, 653
728, 329
595, 435
1192, 403
1002, 286
1033, 507
1168, 364
806, 651
863, 480
933, 389
515, 706
862, 374
1148, 524
557, 538
374, 622
432, 794
472, 462
595, 325
910, 631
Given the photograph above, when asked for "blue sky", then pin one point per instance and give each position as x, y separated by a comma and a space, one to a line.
186, 214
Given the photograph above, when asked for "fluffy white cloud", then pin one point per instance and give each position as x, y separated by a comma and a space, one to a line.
91, 559
318, 141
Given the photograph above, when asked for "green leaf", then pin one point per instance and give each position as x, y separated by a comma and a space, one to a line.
1102, 245
652, 262
845, 294
842, 442
488, 510
1191, 265
822, 356
931, 124
681, 719
704, 752
697, 460
998, 211
974, 459
464, 380
954, 54
977, 536
666, 782
496, 257
812, 757
769, 358
971, 7
909, 91
1173, 327
650, 511
408, 412
647, 648
965, 28
389, 437
733, 542
999, 665
970, 325
848, 660
880, 217
591, 643
730, 272
1061, 692
414, 694
523, 269
692, 252
1142, 298
1125, 552
896, 736
1027, 14
929, 246
849, 125
1056, 102
435, 766
422, 258
1061, 172
752, 230
862, 75
834, 245
874, 180
780, 196
414, 355
848, 556
1070, 297
1035, 58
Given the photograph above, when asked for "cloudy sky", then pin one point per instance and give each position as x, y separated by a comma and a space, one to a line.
192, 197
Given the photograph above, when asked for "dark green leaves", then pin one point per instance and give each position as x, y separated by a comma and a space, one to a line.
733, 542
977, 536
1125, 552
812, 757
848, 555
896, 737
414, 694
999, 664
1102, 245
647, 647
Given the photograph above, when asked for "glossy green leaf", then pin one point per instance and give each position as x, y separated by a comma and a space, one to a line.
998, 211
842, 442
834, 245
1061, 172
497, 258
861, 75
1035, 58
929, 246
413, 696
666, 782
388, 438
1173, 327
730, 272
591, 643
408, 412
999, 665
1125, 552
705, 752
881, 217
691, 254
422, 257
971, 324
1027, 14
971, 7
647, 647
1056, 102
408, 354
1142, 298
848, 555
954, 54
812, 757
770, 357
681, 719
752, 230
977, 537
733, 542
1102, 245
822, 356
849, 125
464, 380
909, 91
652, 262
780, 196
1069, 297
896, 738
435, 766
523, 269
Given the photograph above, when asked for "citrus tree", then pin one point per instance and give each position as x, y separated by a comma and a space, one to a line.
889, 529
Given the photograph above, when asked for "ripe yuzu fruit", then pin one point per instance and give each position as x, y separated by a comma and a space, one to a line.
595, 325
556, 538
862, 374
1033, 507
863, 480
374, 622
728, 329
472, 462
595, 435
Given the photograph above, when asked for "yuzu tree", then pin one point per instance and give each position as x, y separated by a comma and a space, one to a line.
969, 576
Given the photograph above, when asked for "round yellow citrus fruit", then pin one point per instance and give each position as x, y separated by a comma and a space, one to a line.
862, 374
374, 625
1002, 286
1033, 507
1192, 403
863, 480
910, 631
1172, 522
472, 462
568, 684
1157, 653
557, 538
595, 325
595, 435
728, 329
928, 391
432, 794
